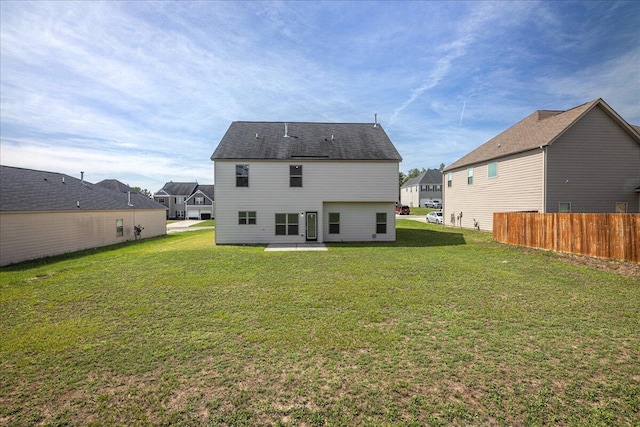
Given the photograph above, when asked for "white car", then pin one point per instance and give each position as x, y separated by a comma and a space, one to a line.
435, 217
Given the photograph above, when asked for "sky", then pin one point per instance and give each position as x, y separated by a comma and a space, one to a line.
143, 91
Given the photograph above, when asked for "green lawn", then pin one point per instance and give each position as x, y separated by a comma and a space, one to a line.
443, 327
205, 223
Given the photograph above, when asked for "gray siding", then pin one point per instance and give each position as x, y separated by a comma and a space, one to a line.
593, 165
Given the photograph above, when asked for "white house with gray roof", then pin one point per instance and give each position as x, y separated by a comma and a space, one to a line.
47, 213
583, 160
415, 192
296, 182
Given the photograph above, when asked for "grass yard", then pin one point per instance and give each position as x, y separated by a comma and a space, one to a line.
443, 327
205, 223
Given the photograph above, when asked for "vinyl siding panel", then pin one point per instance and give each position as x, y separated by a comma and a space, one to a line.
269, 193
593, 165
518, 186
358, 222
32, 235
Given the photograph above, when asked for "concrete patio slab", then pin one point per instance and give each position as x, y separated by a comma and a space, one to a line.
285, 247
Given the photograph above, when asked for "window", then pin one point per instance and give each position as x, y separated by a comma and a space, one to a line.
493, 170
119, 228
334, 223
621, 207
246, 217
438, 187
179, 200
295, 175
469, 176
564, 207
161, 200
199, 200
381, 223
449, 179
286, 224
242, 175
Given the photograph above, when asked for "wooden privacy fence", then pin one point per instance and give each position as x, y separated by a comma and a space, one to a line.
615, 236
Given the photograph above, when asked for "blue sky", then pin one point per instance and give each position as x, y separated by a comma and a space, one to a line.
144, 91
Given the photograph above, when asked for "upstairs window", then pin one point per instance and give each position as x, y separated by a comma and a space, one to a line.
470, 176
199, 200
247, 217
564, 207
295, 175
179, 200
492, 170
449, 179
242, 175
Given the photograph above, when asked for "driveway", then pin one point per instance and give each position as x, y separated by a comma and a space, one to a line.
178, 226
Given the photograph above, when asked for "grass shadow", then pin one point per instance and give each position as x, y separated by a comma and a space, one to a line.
40, 262
412, 237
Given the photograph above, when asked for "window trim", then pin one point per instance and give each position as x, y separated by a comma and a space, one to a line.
470, 176
449, 179
495, 170
289, 227
119, 228
249, 218
381, 226
295, 180
334, 226
568, 207
242, 180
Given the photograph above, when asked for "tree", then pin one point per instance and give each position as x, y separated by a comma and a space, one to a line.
441, 167
144, 191
402, 177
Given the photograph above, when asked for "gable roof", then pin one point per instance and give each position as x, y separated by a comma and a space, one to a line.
539, 129
33, 190
115, 185
305, 140
204, 190
430, 176
178, 188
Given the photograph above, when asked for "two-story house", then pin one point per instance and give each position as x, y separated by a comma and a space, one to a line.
200, 204
422, 188
296, 182
187, 200
582, 160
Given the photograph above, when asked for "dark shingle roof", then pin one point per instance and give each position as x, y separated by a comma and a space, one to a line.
115, 185
537, 130
430, 176
207, 190
179, 188
33, 190
325, 141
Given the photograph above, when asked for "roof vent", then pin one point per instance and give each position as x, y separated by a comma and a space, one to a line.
256, 135
286, 130
82, 177
375, 120
129, 198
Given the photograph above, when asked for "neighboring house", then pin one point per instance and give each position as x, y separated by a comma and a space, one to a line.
201, 205
173, 196
418, 190
297, 182
48, 213
586, 159
182, 202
